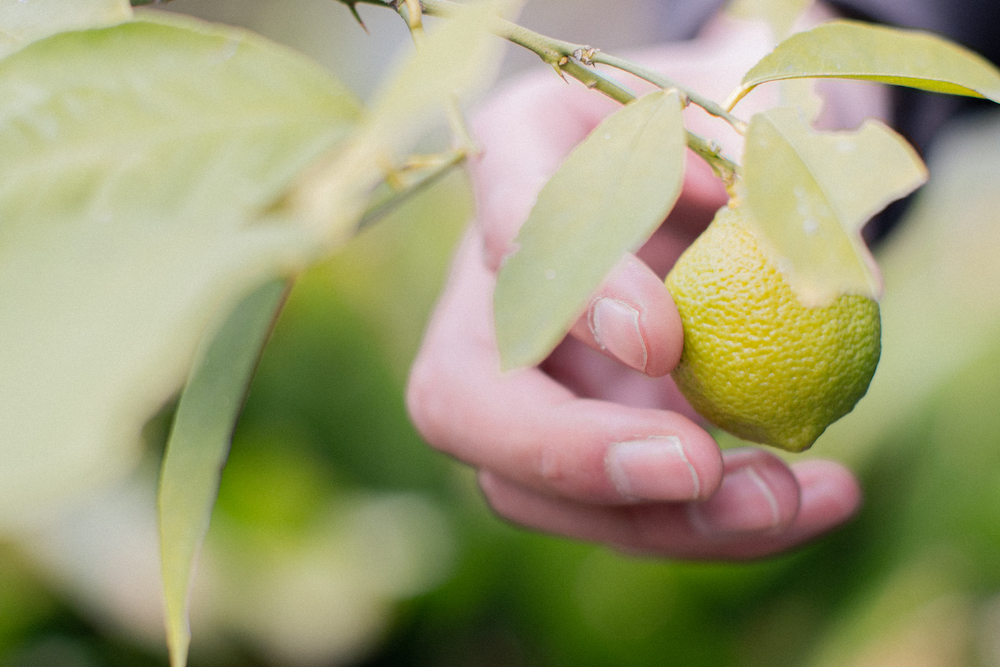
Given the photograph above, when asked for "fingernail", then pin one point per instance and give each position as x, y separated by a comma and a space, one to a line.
743, 504
655, 468
615, 326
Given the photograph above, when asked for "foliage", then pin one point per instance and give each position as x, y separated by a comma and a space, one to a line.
824, 182
600, 198
158, 173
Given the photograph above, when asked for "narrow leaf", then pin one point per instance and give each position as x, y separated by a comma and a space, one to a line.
22, 23
941, 306
460, 57
857, 50
134, 163
199, 445
452, 61
812, 192
607, 198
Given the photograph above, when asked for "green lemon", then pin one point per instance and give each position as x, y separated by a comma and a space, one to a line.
756, 361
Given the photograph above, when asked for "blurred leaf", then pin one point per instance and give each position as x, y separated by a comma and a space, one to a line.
392, 272
801, 94
458, 58
920, 614
779, 14
22, 23
856, 50
607, 198
956, 497
941, 310
454, 60
333, 376
811, 192
199, 445
133, 163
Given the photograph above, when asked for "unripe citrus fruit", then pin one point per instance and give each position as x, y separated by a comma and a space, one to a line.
756, 361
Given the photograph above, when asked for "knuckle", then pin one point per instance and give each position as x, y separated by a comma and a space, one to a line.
549, 466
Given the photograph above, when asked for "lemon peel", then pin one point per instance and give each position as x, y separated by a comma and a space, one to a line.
756, 361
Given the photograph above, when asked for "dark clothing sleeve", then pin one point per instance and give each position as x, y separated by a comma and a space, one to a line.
918, 115
973, 23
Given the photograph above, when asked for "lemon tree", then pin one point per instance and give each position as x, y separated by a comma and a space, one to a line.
164, 181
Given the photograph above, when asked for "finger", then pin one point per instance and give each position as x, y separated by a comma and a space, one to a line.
632, 318
759, 495
830, 496
589, 374
528, 428
762, 508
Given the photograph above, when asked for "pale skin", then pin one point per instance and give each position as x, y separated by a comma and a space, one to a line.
596, 443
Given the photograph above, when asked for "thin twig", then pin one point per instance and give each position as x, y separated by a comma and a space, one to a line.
571, 59
557, 52
408, 181
666, 83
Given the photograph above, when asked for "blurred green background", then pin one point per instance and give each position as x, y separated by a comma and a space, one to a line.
341, 539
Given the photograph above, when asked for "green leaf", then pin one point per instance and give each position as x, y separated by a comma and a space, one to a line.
941, 304
856, 50
22, 23
454, 60
134, 162
779, 14
812, 192
608, 197
199, 445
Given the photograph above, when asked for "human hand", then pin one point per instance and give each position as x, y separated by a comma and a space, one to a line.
596, 443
